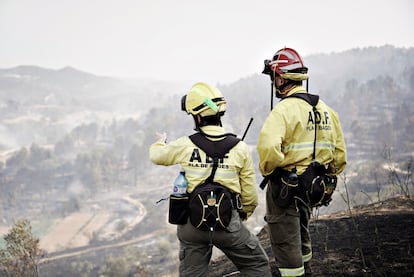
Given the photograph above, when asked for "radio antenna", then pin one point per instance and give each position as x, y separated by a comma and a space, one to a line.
247, 128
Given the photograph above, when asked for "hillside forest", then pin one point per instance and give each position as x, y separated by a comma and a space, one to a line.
74, 146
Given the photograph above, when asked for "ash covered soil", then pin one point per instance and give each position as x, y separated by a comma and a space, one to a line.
371, 240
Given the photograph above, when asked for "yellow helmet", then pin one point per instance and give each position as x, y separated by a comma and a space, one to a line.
203, 99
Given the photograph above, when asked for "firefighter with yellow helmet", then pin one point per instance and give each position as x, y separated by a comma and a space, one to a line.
235, 172
296, 135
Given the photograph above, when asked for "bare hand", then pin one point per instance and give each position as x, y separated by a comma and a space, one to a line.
161, 137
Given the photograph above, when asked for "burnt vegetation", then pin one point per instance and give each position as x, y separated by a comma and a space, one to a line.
369, 240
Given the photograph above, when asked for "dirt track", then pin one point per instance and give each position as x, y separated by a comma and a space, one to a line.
106, 246
78, 229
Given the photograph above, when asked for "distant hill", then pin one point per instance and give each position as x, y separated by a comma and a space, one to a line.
329, 73
33, 99
33, 85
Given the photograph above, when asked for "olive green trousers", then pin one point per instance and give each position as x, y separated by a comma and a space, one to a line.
289, 235
237, 243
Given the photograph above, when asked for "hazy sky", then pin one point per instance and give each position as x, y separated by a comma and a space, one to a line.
211, 40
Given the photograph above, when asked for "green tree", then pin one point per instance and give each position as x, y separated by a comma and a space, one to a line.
115, 266
18, 159
22, 253
135, 163
38, 154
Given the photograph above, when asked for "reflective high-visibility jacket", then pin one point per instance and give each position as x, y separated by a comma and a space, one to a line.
235, 171
286, 139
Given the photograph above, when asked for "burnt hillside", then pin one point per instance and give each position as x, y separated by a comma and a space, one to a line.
372, 240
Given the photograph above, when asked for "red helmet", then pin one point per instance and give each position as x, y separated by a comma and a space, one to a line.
288, 64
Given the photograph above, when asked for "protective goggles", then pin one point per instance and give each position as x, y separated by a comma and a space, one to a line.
211, 103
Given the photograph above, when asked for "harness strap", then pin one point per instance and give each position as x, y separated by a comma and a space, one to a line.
314, 140
215, 149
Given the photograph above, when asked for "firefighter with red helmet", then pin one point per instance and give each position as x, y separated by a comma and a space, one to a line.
296, 135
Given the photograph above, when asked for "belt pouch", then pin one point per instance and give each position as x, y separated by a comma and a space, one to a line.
178, 210
284, 187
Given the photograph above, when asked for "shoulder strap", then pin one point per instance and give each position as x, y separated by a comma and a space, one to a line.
215, 149
312, 100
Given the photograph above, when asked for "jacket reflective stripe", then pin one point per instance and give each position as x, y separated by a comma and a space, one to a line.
300, 146
307, 257
203, 174
292, 272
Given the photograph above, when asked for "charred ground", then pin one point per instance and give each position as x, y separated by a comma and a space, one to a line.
372, 240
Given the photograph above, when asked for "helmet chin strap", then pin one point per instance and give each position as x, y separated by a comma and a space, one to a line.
201, 121
279, 89
197, 123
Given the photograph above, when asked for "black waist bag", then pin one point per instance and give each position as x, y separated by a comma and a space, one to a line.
210, 206
316, 187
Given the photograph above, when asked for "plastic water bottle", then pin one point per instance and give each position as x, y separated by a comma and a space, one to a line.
180, 184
